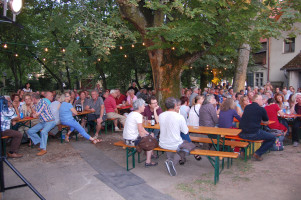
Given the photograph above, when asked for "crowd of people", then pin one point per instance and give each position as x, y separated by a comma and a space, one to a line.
211, 107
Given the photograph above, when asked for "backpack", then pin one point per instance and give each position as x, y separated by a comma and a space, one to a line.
278, 145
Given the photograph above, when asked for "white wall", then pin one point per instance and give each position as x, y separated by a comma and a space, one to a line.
278, 59
294, 79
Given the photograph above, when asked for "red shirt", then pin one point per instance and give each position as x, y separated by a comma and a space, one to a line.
110, 104
120, 99
272, 111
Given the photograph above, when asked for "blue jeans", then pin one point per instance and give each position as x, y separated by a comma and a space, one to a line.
73, 124
185, 137
269, 140
46, 127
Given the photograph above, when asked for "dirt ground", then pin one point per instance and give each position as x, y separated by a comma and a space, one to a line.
278, 176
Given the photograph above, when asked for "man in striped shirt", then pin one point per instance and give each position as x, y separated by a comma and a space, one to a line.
47, 122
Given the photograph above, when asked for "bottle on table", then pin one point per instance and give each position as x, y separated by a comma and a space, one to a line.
153, 121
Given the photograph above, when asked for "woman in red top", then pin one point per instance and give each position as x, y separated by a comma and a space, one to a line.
273, 111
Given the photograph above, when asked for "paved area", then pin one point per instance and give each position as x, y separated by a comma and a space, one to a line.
88, 174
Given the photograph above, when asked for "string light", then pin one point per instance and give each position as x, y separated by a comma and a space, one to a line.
121, 47
44, 59
231, 62
173, 48
133, 46
225, 59
125, 56
63, 50
5, 46
46, 49
16, 55
190, 67
225, 68
98, 59
143, 43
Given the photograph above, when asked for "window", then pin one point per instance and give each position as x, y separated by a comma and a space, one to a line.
259, 79
250, 79
289, 45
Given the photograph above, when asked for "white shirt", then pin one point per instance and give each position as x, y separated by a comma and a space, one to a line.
193, 119
130, 131
171, 126
54, 107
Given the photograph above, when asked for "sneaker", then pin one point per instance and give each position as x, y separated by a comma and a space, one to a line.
295, 144
170, 168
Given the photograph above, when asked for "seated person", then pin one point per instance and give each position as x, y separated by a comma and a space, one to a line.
95, 105
66, 117
27, 109
250, 124
55, 107
133, 128
111, 109
227, 113
297, 121
80, 107
172, 124
184, 108
152, 109
8, 117
193, 118
130, 97
273, 112
120, 98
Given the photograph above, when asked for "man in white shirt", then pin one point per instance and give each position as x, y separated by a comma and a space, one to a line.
171, 126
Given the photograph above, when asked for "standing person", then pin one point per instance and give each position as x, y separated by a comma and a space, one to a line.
66, 117
9, 117
193, 119
95, 105
27, 88
133, 128
47, 121
297, 121
195, 92
253, 115
133, 87
111, 109
171, 126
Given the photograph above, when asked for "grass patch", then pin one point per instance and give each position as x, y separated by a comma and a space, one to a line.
209, 182
186, 188
239, 178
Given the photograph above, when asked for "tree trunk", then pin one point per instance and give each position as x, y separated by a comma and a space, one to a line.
68, 76
241, 69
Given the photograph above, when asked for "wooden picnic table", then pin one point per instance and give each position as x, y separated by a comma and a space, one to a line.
263, 124
291, 115
84, 113
219, 132
123, 108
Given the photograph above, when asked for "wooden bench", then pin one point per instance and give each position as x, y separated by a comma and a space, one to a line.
65, 128
228, 143
219, 155
252, 144
107, 122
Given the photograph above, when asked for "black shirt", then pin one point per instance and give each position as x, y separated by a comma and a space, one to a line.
252, 117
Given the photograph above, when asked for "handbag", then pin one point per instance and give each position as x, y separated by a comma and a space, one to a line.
146, 143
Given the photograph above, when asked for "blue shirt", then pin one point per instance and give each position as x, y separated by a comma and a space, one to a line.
226, 118
65, 112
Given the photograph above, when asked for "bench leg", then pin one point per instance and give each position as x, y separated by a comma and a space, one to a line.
130, 152
216, 170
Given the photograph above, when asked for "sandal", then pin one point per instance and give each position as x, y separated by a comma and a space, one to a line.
95, 141
197, 157
151, 164
67, 138
182, 162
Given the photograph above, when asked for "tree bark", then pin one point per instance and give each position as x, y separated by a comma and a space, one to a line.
166, 66
241, 69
